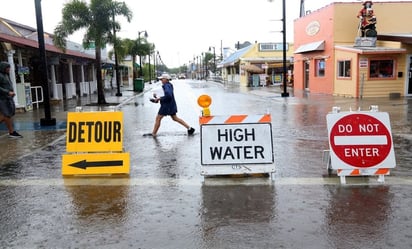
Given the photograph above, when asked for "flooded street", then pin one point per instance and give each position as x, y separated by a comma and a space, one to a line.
166, 203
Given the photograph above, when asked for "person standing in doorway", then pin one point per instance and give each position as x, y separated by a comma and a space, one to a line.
7, 106
168, 107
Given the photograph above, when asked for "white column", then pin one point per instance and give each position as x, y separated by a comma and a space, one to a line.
20, 60
82, 71
94, 73
71, 71
12, 74
53, 82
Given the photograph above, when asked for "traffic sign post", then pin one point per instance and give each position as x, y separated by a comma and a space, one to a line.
95, 144
360, 143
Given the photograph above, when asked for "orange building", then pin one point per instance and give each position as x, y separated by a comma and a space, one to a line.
329, 57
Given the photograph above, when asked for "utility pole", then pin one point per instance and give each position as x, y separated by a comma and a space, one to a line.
47, 120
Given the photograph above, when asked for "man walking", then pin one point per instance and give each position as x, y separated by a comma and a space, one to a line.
168, 106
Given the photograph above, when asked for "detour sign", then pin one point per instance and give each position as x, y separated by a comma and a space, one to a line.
94, 131
360, 140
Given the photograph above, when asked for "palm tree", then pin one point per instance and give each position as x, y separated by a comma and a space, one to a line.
97, 18
131, 47
143, 48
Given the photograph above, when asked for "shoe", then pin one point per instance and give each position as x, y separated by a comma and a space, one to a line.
191, 131
148, 135
14, 134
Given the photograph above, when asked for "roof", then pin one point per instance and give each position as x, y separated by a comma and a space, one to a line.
24, 36
233, 58
372, 50
21, 41
399, 37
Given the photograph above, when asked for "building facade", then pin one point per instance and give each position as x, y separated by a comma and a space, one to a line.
329, 58
260, 64
71, 73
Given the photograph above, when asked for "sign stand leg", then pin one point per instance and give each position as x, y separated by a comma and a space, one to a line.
381, 178
342, 180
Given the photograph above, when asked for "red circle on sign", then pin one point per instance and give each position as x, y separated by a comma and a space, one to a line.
360, 140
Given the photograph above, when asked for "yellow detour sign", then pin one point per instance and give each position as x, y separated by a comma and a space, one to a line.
94, 131
95, 140
96, 163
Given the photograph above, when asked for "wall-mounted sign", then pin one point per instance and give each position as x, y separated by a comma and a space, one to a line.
312, 28
363, 63
271, 46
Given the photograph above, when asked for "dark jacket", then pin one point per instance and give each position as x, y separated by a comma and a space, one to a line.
167, 102
5, 82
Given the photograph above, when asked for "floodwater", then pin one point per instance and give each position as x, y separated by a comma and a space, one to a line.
166, 203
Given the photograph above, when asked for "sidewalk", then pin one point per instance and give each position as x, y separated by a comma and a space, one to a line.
36, 137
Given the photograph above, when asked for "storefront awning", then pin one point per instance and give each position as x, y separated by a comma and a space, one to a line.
309, 47
252, 68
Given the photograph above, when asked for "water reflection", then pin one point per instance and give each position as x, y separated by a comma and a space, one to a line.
358, 216
229, 213
99, 201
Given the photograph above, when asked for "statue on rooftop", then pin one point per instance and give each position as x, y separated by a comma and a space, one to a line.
367, 20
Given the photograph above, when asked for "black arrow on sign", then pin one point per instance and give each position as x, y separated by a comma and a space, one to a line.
83, 164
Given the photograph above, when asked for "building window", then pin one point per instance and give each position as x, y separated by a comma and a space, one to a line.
344, 69
320, 67
381, 69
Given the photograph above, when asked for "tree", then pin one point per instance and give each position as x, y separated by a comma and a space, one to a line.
97, 19
121, 49
131, 47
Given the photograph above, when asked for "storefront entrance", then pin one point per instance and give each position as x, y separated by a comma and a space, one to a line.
409, 85
306, 75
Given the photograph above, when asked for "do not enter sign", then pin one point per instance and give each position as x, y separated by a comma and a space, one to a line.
360, 140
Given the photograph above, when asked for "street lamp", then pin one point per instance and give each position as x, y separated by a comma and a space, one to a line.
205, 69
150, 70
197, 67
140, 56
214, 58
285, 93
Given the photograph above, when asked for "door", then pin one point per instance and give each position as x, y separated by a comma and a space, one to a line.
409, 86
306, 75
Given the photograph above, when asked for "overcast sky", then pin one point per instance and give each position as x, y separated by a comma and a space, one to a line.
183, 29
